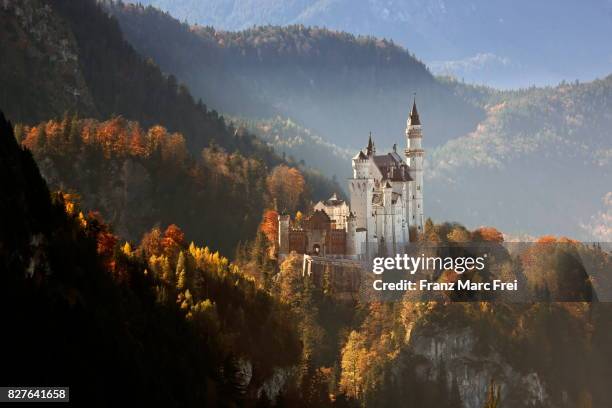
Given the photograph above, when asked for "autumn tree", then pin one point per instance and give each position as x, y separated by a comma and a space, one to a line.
489, 234
286, 185
291, 282
40, 138
181, 272
429, 231
151, 243
354, 358
137, 145
269, 225
459, 234
106, 243
173, 240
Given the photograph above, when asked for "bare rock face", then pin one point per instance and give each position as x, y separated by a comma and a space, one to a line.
277, 382
455, 352
47, 58
125, 197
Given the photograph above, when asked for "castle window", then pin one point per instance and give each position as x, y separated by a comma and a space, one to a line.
418, 205
419, 188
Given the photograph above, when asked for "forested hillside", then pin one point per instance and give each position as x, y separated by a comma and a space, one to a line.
139, 230
70, 56
160, 322
290, 139
507, 45
340, 85
188, 167
447, 352
539, 163
138, 178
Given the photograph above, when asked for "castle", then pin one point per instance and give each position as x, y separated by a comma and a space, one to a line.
385, 211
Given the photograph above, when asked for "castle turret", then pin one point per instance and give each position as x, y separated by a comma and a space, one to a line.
351, 228
361, 166
361, 187
414, 157
283, 233
355, 238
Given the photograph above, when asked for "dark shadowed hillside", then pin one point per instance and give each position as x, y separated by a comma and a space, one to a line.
88, 312
70, 56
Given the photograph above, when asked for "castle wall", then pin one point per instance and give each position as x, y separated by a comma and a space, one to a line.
336, 242
337, 213
297, 241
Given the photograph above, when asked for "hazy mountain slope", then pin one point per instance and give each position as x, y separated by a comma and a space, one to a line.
540, 162
292, 140
526, 165
525, 42
339, 85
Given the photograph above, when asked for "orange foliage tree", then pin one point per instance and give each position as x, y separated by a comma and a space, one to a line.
173, 240
151, 243
488, 234
117, 137
286, 185
269, 225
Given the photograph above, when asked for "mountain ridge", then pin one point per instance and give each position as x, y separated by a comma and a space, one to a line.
517, 50
313, 75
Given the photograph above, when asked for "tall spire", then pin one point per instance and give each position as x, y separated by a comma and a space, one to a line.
414, 115
371, 148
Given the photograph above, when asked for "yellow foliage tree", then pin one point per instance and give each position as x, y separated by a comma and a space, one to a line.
354, 364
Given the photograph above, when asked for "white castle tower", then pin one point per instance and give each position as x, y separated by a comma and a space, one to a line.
414, 158
386, 193
361, 190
